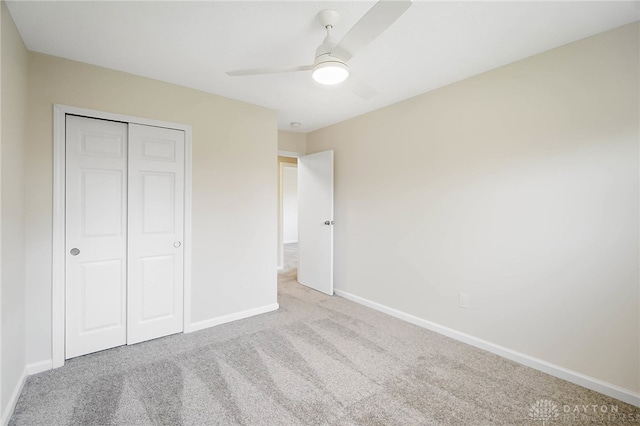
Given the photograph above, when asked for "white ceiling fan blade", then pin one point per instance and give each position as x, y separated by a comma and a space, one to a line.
360, 88
259, 71
371, 25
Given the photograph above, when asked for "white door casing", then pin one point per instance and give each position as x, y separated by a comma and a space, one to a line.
156, 219
101, 205
58, 302
315, 221
96, 235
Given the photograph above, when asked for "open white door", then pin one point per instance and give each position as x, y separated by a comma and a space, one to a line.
315, 221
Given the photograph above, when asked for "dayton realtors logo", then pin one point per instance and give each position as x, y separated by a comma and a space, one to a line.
546, 411
603, 413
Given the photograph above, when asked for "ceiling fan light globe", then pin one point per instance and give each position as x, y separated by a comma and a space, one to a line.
330, 73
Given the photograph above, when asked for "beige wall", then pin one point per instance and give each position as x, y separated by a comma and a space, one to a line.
13, 94
292, 142
519, 187
234, 186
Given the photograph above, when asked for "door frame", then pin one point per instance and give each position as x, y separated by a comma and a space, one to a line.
59, 192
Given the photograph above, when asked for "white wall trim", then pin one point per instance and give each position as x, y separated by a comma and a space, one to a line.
7, 412
188, 193
39, 367
58, 255
588, 382
58, 276
201, 325
30, 369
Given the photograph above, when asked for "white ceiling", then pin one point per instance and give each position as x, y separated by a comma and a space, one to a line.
192, 44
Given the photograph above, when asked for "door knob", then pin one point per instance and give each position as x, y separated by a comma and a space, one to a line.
74, 251
328, 222
177, 244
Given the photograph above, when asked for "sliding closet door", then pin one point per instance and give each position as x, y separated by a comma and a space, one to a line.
156, 223
96, 235
124, 234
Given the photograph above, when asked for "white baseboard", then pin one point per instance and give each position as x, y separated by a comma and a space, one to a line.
13, 400
39, 367
201, 325
588, 382
33, 368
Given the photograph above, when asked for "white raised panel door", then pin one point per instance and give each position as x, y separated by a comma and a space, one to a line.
96, 235
156, 222
315, 221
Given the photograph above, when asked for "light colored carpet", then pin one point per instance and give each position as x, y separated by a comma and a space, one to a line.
318, 360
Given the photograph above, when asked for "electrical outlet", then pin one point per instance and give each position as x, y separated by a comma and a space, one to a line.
464, 300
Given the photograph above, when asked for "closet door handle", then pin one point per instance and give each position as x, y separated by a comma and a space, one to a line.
177, 244
74, 251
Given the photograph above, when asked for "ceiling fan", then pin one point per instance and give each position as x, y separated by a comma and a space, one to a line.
330, 65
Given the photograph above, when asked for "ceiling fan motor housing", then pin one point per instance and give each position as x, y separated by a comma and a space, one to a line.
329, 42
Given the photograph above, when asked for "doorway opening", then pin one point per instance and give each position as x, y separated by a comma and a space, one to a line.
315, 220
288, 215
